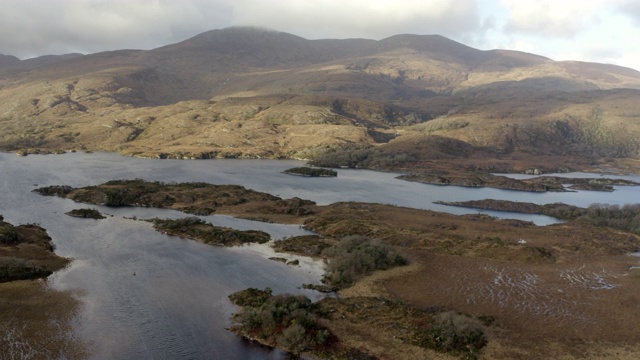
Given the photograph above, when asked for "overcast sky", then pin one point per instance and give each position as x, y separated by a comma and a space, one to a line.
588, 30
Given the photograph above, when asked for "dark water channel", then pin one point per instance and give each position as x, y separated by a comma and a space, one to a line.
150, 296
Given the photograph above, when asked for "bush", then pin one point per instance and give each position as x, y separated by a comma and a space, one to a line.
251, 297
8, 234
284, 321
357, 256
626, 217
450, 331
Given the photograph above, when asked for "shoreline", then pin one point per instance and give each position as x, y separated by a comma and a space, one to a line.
309, 265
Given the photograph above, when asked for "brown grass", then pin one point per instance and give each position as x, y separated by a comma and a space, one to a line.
37, 322
569, 292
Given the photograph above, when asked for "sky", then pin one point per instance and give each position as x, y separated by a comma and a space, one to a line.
606, 31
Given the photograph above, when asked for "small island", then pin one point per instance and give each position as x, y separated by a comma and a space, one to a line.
536, 184
196, 229
311, 172
86, 214
193, 198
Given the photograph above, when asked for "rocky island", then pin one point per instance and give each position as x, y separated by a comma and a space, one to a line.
311, 172
86, 214
199, 230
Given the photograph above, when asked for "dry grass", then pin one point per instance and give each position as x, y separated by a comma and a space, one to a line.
579, 308
569, 292
37, 322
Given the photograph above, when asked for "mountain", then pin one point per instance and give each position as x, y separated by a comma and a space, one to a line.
260, 93
8, 60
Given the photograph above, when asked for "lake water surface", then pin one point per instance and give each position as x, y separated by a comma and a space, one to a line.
151, 296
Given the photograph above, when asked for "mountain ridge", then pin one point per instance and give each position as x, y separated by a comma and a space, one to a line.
178, 98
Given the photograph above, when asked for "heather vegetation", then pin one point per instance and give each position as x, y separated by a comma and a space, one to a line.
587, 135
442, 124
285, 321
453, 332
356, 256
357, 156
198, 229
296, 325
86, 213
26, 252
54, 190
305, 245
625, 217
311, 171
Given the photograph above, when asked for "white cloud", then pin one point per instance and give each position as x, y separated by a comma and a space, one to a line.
32, 27
37, 27
629, 59
555, 18
630, 8
360, 18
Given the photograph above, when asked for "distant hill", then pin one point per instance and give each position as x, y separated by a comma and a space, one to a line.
254, 92
8, 60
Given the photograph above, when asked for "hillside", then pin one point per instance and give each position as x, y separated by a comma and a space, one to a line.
246, 92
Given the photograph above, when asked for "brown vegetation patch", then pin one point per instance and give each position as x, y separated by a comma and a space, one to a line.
26, 252
196, 229
304, 245
37, 322
471, 235
572, 304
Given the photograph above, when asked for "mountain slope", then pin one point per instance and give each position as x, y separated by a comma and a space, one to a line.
254, 92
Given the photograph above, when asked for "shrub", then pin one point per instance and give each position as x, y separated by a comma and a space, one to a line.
285, 321
357, 256
450, 331
251, 297
8, 234
357, 156
626, 217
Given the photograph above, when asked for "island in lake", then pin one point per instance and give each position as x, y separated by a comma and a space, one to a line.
311, 172
86, 214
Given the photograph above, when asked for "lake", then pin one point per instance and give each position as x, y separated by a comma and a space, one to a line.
151, 296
